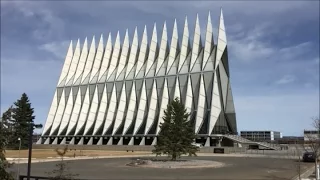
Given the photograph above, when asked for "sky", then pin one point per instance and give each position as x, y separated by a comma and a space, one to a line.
273, 50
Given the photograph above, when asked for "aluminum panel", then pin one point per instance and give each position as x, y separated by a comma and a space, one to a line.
185, 67
133, 53
173, 46
59, 114
224, 83
141, 108
130, 111
143, 51
97, 61
105, 60
124, 54
153, 49
201, 105
121, 109
51, 114
152, 108
222, 40
101, 112
189, 96
66, 65
163, 106
209, 66
67, 114
163, 48
208, 42
177, 90
215, 104
152, 70
83, 113
81, 63
111, 110
196, 43
115, 56
74, 64
75, 113
174, 67
184, 45
92, 112
230, 104
89, 62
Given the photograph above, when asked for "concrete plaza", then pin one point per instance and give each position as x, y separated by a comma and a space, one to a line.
236, 168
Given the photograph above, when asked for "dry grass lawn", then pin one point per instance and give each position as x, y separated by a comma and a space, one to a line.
44, 153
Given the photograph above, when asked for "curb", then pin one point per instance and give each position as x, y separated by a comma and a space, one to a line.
305, 174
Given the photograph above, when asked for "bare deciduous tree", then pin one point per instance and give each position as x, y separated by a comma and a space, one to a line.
312, 143
62, 171
297, 154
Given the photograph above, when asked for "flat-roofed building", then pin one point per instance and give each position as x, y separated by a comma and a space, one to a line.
311, 135
261, 135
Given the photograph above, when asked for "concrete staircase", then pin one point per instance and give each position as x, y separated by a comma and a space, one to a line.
269, 145
242, 140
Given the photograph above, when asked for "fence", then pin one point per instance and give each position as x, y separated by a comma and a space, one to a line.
33, 178
283, 154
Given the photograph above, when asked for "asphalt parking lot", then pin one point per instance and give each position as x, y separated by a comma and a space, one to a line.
237, 168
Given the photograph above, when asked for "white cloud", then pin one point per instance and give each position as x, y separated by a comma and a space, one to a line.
249, 8
47, 24
252, 45
286, 79
56, 48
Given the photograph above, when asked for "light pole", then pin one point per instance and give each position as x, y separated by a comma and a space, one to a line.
19, 139
31, 126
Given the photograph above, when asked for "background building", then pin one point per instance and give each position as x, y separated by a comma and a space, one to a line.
290, 140
115, 94
311, 135
261, 135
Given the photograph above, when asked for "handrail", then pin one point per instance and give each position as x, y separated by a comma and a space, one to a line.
24, 177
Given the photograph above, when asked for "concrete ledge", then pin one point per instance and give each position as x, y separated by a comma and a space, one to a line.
227, 150
305, 174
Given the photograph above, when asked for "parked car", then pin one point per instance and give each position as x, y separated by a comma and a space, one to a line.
309, 157
198, 145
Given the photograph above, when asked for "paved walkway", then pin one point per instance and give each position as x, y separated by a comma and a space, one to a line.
52, 159
236, 168
308, 174
311, 177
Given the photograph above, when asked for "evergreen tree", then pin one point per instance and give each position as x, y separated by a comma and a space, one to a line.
177, 133
22, 117
7, 128
3, 143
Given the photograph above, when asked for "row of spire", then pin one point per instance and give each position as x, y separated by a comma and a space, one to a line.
111, 63
145, 31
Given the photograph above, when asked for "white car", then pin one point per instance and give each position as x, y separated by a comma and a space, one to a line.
198, 145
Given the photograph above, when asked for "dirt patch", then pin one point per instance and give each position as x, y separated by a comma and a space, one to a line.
155, 163
50, 153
